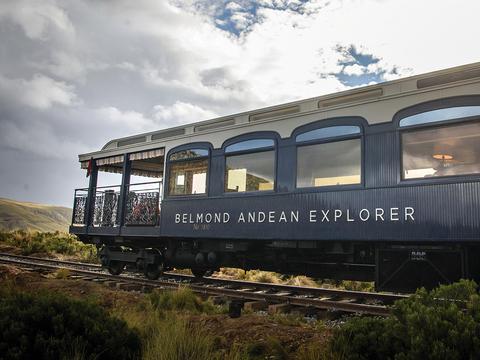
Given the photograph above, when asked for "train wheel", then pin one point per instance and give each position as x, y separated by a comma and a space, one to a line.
153, 271
116, 267
200, 273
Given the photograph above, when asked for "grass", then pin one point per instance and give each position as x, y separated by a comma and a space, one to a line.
16, 215
182, 300
30, 242
299, 280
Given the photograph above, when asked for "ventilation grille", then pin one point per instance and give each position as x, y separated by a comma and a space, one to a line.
215, 125
167, 134
448, 78
274, 113
131, 141
365, 95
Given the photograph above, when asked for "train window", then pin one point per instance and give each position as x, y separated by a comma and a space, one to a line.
440, 115
441, 151
328, 132
250, 166
188, 172
250, 145
329, 163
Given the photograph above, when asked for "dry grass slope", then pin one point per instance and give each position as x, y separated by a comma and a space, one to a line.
30, 216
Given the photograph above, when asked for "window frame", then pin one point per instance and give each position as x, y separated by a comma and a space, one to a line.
332, 122
190, 146
431, 126
438, 104
266, 135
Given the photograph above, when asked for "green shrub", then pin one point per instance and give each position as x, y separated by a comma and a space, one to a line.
441, 324
172, 337
182, 299
49, 243
51, 326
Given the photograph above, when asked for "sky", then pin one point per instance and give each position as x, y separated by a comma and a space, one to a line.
75, 74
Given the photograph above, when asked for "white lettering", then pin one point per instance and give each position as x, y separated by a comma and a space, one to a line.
394, 214
337, 214
184, 218
200, 218
261, 217
251, 216
379, 214
348, 216
177, 218
313, 215
409, 211
208, 218
283, 217
218, 217
325, 215
271, 216
294, 216
241, 218
226, 217
364, 218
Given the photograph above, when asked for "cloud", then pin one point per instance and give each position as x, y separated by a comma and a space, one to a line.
36, 16
39, 92
74, 75
180, 113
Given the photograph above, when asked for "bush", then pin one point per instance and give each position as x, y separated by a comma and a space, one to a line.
172, 337
49, 243
182, 299
51, 326
441, 324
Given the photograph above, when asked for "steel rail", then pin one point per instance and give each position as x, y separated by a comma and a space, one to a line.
301, 290
251, 293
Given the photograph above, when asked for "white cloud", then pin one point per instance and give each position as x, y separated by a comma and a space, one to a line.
76, 74
354, 69
180, 113
40, 140
39, 92
35, 16
132, 120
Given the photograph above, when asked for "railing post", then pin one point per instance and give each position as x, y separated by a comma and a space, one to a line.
92, 189
122, 202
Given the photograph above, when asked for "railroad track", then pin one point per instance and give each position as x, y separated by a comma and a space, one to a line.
245, 291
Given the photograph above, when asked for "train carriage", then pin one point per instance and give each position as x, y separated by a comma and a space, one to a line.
380, 183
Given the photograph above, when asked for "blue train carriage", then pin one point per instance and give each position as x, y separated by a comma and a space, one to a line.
380, 183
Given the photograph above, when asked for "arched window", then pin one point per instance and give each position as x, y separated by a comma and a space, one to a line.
250, 166
441, 142
188, 171
329, 156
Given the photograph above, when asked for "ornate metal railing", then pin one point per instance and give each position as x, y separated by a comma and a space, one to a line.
79, 207
143, 203
105, 209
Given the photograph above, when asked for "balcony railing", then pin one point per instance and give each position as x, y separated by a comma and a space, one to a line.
79, 207
105, 211
142, 205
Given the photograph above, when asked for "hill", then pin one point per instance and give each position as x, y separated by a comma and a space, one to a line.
30, 216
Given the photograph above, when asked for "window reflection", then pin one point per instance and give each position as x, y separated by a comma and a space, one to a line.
333, 163
250, 172
440, 115
188, 177
250, 145
328, 132
442, 151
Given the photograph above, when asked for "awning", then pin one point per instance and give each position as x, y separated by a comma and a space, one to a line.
105, 162
142, 167
149, 154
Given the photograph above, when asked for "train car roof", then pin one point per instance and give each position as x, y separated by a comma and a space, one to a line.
375, 103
